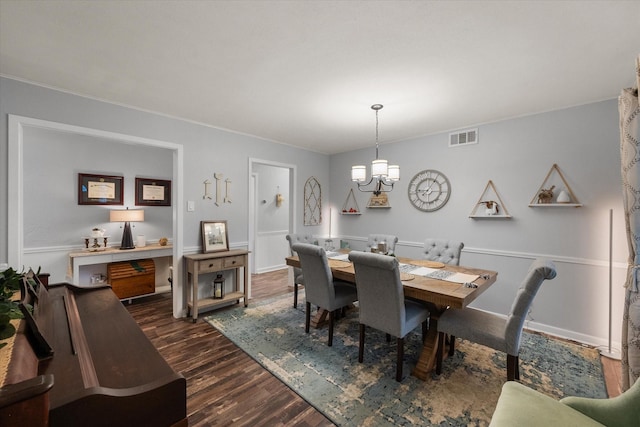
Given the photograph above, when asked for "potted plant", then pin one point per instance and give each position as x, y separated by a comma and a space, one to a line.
9, 285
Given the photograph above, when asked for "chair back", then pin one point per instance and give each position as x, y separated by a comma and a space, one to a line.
318, 280
380, 293
298, 238
442, 250
389, 239
539, 271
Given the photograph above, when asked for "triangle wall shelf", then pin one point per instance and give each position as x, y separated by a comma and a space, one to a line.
563, 197
490, 204
350, 206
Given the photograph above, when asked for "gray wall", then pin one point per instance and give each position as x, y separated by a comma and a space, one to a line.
516, 154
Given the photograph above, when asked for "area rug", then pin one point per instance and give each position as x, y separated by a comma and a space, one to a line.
366, 394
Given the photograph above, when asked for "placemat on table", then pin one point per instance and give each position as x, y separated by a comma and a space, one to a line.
406, 276
427, 263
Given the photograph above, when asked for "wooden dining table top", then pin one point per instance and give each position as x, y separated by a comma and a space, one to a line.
440, 292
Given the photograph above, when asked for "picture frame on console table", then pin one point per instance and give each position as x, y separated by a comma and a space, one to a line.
153, 192
100, 189
214, 236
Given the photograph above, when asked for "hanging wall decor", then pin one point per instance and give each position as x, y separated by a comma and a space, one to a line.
312, 202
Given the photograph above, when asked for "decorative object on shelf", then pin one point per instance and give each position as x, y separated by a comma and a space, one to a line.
153, 192
97, 232
379, 201
384, 175
207, 190
163, 241
127, 216
218, 286
312, 202
563, 197
545, 195
214, 236
99, 189
141, 241
429, 190
491, 207
494, 207
99, 243
350, 206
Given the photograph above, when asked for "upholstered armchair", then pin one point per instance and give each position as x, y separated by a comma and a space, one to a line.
522, 406
298, 278
389, 239
382, 304
320, 288
442, 250
492, 330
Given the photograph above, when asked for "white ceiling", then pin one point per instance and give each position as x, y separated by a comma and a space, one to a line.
305, 73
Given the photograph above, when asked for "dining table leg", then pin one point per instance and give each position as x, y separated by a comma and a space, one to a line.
427, 360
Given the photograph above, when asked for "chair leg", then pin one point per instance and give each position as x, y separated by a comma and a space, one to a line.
513, 371
331, 321
295, 295
452, 345
439, 353
400, 359
361, 345
307, 318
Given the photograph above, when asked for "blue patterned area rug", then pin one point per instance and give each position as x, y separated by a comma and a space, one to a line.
354, 394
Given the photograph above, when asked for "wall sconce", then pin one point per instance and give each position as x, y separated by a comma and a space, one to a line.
126, 216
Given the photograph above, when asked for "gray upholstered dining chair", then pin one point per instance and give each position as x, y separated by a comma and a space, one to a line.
492, 330
442, 250
320, 288
382, 303
298, 278
389, 239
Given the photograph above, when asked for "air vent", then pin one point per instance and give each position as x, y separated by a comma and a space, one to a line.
465, 137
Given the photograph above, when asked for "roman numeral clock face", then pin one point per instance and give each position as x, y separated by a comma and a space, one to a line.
429, 190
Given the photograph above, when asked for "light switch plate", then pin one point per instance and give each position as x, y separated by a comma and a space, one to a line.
191, 206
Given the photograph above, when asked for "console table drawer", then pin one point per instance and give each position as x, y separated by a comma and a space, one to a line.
210, 265
235, 261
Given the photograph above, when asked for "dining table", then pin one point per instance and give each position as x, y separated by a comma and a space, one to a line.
445, 286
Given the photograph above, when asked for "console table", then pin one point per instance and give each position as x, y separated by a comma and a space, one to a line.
114, 254
196, 264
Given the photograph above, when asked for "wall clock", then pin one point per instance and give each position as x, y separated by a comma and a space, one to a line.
429, 190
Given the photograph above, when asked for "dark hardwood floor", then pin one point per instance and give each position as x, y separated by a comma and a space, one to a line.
227, 387
224, 385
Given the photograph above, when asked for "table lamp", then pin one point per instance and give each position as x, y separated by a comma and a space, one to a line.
126, 216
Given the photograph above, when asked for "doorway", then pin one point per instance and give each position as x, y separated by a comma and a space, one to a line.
271, 204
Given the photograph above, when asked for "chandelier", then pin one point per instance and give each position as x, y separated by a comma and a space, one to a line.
382, 174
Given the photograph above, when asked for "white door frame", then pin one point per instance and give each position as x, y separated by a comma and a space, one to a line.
16, 168
252, 202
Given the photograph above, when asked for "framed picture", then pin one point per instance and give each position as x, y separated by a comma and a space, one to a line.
153, 192
214, 236
99, 189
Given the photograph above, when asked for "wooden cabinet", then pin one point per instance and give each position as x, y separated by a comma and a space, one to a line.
132, 278
196, 264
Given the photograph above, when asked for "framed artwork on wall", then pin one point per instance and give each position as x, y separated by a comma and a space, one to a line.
153, 192
99, 189
214, 236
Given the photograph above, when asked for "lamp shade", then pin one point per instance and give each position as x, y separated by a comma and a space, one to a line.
134, 215
358, 173
379, 168
394, 172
